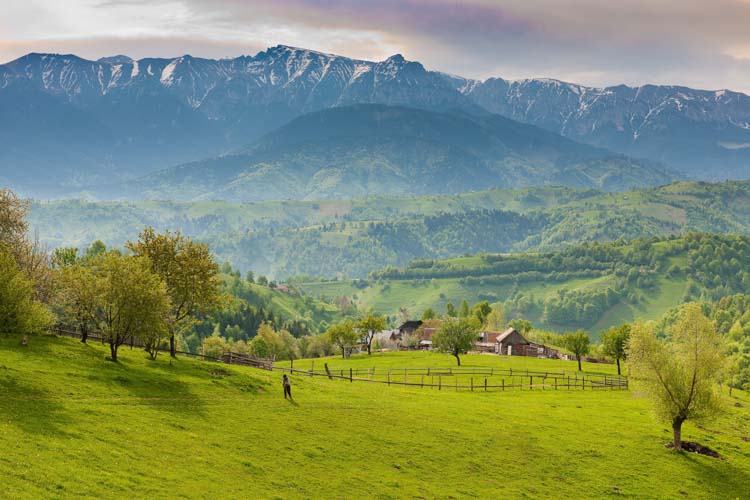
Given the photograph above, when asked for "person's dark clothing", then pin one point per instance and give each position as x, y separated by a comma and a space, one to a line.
287, 387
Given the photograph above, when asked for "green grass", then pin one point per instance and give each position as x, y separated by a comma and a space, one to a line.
75, 425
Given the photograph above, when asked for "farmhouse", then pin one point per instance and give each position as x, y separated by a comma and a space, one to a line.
511, 342
487, 342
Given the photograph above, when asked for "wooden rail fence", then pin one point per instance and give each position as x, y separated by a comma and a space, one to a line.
228, 357
474, 379
469, 378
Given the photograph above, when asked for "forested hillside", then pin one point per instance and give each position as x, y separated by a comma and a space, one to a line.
591, 286
354, 237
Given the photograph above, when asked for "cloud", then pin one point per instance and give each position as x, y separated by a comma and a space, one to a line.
689, 42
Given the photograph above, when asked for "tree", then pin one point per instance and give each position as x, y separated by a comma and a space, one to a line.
213, 346
522, 326
132, 300
343, 336
495, 321
614, 343
578, 343
20, 312
262, 280
403, 315
368, 327
456, 336
78, 291
481, 310
189, 271
13, 212
250, 277
29, 254
428, 313
267, 343
680, 376
450, 310
463, 311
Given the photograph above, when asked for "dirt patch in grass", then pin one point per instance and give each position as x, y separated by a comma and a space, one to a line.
692, 447
745, 438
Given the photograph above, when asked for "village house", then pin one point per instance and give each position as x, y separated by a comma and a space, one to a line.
512, 343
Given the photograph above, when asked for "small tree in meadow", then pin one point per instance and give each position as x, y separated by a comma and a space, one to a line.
456, 336
578, 343
681, 375
368, 327
614, 343
343, 336
132, 301
189, 272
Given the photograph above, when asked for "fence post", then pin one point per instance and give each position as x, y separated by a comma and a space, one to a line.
422, 381
350, 375
440, 382
485, 384
531, 381
230, 357
330, 377
312, 367
389, 377
472, 384
291, 366
503, 384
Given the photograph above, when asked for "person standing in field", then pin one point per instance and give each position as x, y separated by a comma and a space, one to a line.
287, 386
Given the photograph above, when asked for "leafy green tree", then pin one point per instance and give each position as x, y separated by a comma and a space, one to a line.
450, 310
96, 249
680, 376
495, 321
132, 301
343, 336
250, 277
64, 256
463, 311
522, 326
578, 343
78, 293
368, 327
262, 280
189, 271
267, 343
214, 346
456, 336
20, 312
482, 310
615, 342
428, 313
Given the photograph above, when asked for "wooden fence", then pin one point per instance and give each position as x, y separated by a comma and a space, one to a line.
470, 378
473, 379
228, 357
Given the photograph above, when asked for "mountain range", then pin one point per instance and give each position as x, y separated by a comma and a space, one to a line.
67, 122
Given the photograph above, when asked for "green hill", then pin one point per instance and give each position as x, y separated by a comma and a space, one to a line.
354, 237
591, 286
353, 151
75, 425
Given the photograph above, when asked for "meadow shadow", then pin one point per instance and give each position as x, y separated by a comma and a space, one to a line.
33, 410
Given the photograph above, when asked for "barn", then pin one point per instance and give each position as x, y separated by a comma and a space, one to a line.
511, 342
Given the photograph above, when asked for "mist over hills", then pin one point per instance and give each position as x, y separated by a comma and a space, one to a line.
67, 123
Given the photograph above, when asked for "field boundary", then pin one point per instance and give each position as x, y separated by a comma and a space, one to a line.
474, 379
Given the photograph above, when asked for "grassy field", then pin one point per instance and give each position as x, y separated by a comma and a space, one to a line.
75, 425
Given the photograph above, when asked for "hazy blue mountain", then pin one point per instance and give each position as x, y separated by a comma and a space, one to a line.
362, 150
68, 122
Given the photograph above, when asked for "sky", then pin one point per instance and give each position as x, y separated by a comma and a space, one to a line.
696, 43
